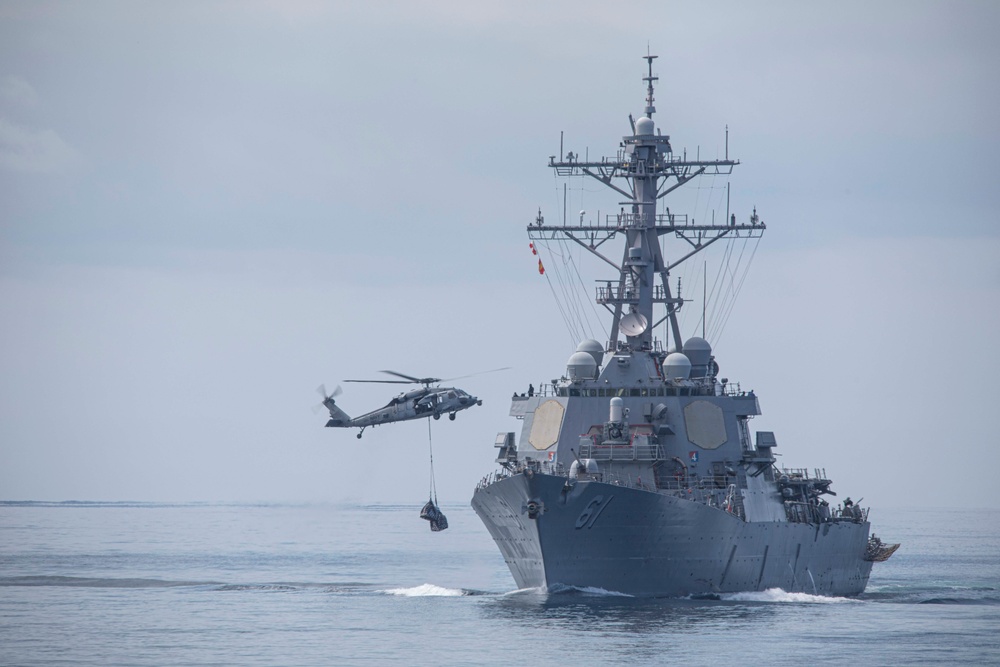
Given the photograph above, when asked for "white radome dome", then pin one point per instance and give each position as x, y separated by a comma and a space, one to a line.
581, 366
677, 366
593, 348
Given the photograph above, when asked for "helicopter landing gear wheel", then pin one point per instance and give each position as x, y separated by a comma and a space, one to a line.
359, 436
452, 416
437, 416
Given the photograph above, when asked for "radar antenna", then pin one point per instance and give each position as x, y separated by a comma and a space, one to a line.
646, 170
649, 86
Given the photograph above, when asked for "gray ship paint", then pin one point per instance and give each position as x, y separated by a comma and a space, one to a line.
636, 471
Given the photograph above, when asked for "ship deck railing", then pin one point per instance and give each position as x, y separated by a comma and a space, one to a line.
694, 387
813, 513
711, 490
804, 473
625, 451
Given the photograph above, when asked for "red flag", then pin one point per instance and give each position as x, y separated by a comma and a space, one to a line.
541, 269
532, 246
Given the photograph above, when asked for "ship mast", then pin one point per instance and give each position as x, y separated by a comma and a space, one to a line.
648, 171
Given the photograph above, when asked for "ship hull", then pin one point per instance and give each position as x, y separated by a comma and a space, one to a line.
644, 543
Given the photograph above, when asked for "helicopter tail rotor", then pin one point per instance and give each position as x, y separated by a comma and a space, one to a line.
321, 390
327, 401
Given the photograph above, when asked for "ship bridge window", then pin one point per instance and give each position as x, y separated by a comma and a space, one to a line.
634, 391
644, 392
591, 392
574, 392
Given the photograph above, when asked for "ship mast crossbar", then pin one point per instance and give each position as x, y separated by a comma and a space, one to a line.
697, 248
622, 168
606, 179
681, 180
650, 170
553, 232
611, 294
590, 248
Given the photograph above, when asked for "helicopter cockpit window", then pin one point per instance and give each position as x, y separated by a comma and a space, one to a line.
451, 394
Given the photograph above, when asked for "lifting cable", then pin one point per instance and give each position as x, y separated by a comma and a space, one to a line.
433, 493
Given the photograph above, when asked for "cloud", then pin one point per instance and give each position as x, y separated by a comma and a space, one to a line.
33, 151
18, 91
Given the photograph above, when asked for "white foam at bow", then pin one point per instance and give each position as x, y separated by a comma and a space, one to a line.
426, 590
778, 595
559, 589
592, 590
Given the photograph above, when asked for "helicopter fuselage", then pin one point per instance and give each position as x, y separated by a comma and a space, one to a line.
415, 404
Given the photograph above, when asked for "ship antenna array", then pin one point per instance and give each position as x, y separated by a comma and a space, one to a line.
644, 171
649, 79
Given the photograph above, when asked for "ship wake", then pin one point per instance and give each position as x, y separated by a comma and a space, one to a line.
427, 590
779, 595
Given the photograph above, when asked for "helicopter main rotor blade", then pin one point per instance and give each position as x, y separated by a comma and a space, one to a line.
409, 377
462, 377
383, 381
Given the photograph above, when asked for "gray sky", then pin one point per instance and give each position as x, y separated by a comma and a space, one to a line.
207, 209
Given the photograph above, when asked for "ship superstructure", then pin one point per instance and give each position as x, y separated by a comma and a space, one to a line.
637, 471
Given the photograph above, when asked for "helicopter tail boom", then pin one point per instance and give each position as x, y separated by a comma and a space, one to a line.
337, 416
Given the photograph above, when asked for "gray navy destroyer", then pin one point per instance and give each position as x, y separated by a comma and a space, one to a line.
637, 471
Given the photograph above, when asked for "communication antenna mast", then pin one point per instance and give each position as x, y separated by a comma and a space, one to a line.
644, 170
704, 294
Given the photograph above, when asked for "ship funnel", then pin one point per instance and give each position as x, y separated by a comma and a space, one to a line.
676, 366
699, 352
593, 348
581, 366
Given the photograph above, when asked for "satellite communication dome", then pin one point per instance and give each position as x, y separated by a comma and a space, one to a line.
677, 366
593, 348
644, 126
581, 366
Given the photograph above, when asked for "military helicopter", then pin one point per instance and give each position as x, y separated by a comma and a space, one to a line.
414, 404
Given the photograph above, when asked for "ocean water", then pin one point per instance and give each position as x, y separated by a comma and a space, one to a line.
236, 584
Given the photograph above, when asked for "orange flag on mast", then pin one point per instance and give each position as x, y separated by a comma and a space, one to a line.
541, 269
